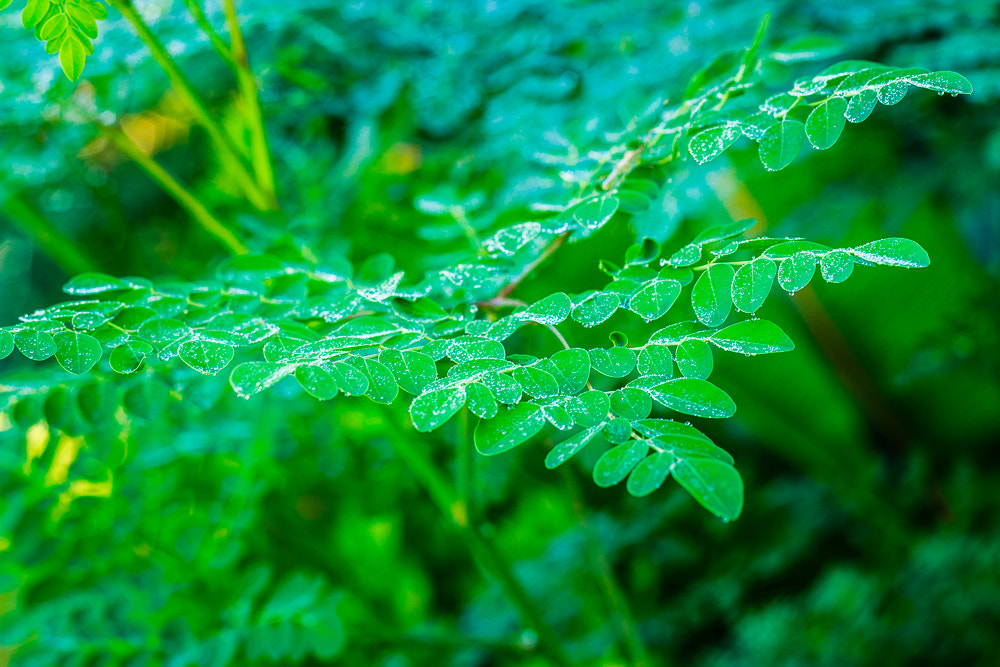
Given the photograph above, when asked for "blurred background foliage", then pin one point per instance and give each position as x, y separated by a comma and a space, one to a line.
195, 528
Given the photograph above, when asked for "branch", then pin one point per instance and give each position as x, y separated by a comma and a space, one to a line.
259, 151
186, 91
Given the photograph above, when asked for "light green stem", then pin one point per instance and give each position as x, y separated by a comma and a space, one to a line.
188, 201
220, 46
260, 152
223, 143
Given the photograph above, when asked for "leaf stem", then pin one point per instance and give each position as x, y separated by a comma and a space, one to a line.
554, 245
260, 152
178, 192
616, 601
217, 43
186, 91
483, 550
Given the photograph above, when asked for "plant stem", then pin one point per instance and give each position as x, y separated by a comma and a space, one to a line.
260, 152
26, 217
188, 201
465, 468
616, 601
220, 46
483, 550
554, 245
186, 91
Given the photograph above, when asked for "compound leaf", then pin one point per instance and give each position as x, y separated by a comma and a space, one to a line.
716, 485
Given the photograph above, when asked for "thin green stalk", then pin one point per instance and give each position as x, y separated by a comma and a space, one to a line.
616, 601
217, 43
186, 91
465, 469
483, 550
188, 201
63, 251
260, 152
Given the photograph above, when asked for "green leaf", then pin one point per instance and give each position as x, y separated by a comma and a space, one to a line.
656, 360
551, 310
616, 362
350, 379
77, 352
650, 474
752, 283
826, 123
893, 252
509, 429
504, 387
163, 330
570, 446
413, 370
711, 296
655, 299
54, 27
469, 348
205, 356
796, 271
596, 308
481, 401
692, 396
780, 144
381, 382
536, 382
714, 484
573, 366
317, 382
836, 266
616, 463
753, 337
861, 106
617, 430
589, 408
431, 409
35, 345
252, 377
558, 416
72, 55
34, 12
631, 403
7, 344
694, 358
943, 82
128, 357
594, 214
93, 283
710, 143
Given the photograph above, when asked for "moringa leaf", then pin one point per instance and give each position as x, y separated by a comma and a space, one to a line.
694, 358
711, 296
77, 352
650, 474
893, 252
692, 396
431, 409
780, 144
752, 337
570, 447
826, 123
714, 484
616, 463
752, 283
509, 429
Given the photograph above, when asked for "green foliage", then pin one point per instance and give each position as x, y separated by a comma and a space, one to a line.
411, 304
68, 27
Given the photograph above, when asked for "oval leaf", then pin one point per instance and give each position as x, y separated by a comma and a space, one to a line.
716, 485
616, 463
509, 429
